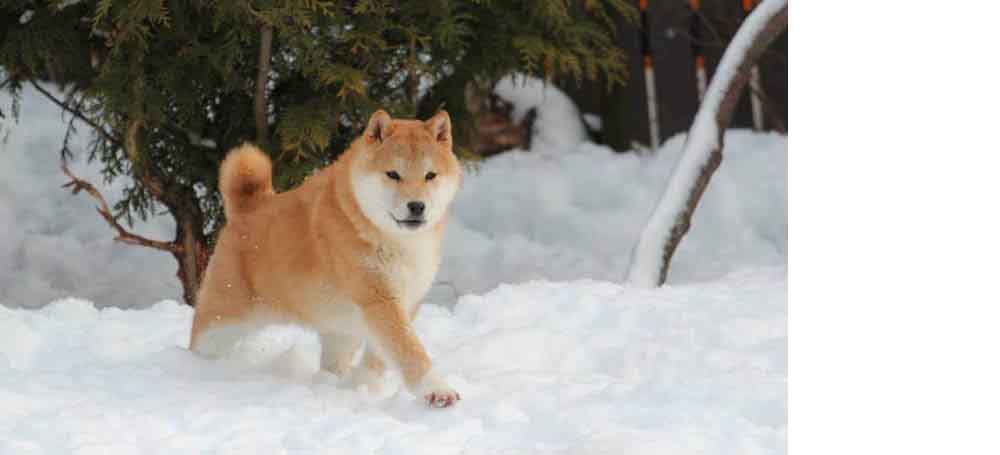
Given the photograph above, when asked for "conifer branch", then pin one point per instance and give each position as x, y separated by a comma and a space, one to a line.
76, 184
78, 114
136, 121
149, 182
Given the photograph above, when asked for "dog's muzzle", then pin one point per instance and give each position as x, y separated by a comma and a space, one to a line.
411, 223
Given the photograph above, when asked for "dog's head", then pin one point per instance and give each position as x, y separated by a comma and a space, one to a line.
407, 174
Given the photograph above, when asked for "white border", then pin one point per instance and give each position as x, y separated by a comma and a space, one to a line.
894, 201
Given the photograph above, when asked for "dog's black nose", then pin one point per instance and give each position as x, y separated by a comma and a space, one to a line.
416, 208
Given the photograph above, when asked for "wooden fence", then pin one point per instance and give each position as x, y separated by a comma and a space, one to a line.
675, 40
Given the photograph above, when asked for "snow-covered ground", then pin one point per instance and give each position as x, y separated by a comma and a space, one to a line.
582, 367
561, 359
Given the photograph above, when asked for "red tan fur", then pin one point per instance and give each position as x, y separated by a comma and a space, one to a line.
343, 253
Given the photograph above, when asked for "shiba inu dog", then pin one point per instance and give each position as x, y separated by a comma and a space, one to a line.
349, 253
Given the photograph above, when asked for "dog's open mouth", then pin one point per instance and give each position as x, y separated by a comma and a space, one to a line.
411, 223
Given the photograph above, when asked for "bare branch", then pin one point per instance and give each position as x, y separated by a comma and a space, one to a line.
702, 152
75, 185
769, 108
76, 113
732, 89
263, 69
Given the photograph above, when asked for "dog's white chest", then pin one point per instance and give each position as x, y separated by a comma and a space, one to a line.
412, 268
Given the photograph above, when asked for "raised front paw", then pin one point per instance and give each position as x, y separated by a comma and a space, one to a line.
437, 392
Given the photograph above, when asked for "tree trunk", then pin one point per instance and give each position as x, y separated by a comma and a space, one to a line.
702, 152
190, 245
192, 257
260, 92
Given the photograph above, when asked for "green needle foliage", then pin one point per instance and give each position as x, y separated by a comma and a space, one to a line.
170, 86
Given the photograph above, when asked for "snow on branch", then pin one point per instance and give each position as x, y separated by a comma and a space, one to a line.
702, 151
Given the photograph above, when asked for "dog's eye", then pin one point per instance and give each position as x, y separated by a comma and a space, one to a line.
393, 175
431, 175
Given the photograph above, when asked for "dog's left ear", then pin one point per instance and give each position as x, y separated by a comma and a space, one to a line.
378, 126
440, 126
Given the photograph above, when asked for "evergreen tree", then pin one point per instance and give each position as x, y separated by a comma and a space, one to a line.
169, 86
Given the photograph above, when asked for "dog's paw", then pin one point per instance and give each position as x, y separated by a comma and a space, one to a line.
442, 398
437, 392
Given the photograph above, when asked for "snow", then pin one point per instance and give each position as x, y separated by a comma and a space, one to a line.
703, 139
524, 216
200, 141
549, 353
519, 216
558, 127
593, 121
581, 367
54, 244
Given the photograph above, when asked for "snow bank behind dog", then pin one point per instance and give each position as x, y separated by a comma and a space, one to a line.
521, 216
526, 216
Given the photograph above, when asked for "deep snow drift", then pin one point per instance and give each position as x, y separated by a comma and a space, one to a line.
576, 368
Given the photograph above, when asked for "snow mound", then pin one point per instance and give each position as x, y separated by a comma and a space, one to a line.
54, 244
558, 127
584, 367
521, 216
524, 216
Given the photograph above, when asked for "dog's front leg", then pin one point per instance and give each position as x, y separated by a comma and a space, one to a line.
392, 336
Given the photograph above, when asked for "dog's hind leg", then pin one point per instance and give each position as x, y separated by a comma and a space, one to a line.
370, 372
338, 352
232, 325
280, 346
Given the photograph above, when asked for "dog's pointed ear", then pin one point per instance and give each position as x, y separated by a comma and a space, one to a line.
378, 126
440, 126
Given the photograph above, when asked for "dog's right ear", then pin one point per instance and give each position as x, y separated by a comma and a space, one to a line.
378, 127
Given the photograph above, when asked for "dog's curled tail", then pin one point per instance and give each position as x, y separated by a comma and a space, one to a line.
244, 179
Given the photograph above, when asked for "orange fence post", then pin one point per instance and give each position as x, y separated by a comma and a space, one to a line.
699, 60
